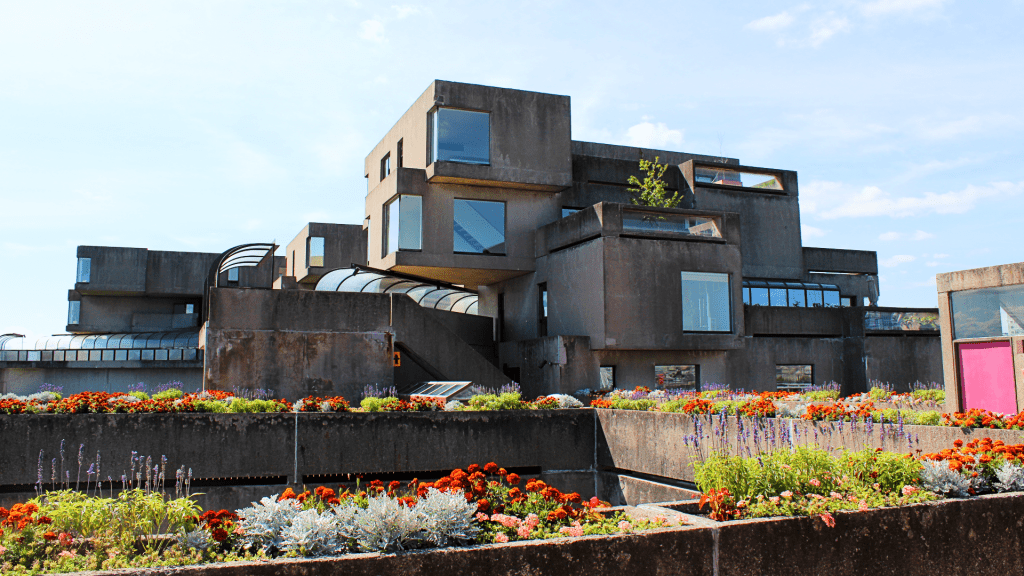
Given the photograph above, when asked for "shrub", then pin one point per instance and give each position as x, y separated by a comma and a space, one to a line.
139, 395
169, 394
264, 523
448, 518
386, 525
933, 395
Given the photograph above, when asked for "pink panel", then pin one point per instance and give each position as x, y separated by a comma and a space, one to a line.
986, 376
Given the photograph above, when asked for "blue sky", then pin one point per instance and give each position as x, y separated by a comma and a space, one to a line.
202, 125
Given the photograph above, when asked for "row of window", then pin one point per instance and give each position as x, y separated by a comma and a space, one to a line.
75, 308
478, 226
788, 377
793, 294
172, 355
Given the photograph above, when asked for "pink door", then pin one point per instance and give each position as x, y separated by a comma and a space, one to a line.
986, 376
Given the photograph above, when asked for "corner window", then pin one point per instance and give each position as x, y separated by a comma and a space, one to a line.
459, 136
607, 377
706, 302
479, 226
988, 312
403, 229
314, 251
789, 377
74, 310
84, 270
676, 376
385, 166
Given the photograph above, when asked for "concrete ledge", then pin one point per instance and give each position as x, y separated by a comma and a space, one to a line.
976, 537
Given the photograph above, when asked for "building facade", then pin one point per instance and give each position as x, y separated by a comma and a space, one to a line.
527, 262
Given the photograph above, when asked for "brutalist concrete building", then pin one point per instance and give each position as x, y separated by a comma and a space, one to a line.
495, 248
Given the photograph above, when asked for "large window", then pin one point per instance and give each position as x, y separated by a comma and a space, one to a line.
74, 309
84, 270
706, 302
479, 226
988, 312
676, 376
315, 251
403, 224
460, 136
791, 294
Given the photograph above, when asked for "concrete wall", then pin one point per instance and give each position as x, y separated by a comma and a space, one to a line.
552, 365
25, 380
903, 360
102, 314
304, 342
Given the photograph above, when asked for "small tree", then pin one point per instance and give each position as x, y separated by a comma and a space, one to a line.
651, 192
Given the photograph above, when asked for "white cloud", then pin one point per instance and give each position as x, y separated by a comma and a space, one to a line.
826, 27
897, 260
931, 167
371, 30
405, 10
919, 235
940, 255
922, 235
811, 231
648, 135
889, 236
883, 7
771, 23
831, 200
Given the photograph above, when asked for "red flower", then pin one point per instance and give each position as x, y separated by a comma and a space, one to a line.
491, 468
473, 468
220, 534
513, 479
287, 495
394, 485
49, 536
483, 505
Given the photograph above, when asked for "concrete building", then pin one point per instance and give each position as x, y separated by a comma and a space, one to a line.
981, 312
496, 248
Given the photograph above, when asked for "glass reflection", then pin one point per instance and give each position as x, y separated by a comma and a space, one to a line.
460, 136
479, 226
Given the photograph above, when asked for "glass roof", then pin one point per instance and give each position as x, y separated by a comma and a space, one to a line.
147, 340
426, 293
439, 389
779, 284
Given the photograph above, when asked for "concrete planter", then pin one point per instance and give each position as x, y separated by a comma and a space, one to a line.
975, 537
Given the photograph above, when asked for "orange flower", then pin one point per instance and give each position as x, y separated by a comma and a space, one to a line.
49, 536
483, 505
473, 468
513, 479
491, 468
288, 494
220, 534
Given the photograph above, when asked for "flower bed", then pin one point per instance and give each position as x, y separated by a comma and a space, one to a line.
66, 530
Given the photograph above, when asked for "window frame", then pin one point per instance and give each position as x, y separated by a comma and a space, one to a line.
682, 302
85, 278
309, 251
431, 134
504, 226
74, 312
386, 226
385, 166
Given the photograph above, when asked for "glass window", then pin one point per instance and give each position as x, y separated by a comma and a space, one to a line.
706, 302
542, 309
831, 298
479, 226
746, 295
607, 377
566, 211
398, 153
988, 312
635, 221
74, 310
777, 294
846, 301
729, 177
84, 270
315, 251
385, 166
676, 376
460, 136
794, 376
233, 275
758, 296
403, 227
797, 296
814, 299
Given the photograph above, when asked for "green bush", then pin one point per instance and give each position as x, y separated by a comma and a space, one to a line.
242, 405
139, 395
934, 395
821, 395
371, 404
505, 401
215, 406
169, 394
878, 394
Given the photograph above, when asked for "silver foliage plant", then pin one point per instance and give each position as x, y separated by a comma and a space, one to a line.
312, 533
197, 539
937, 477
566, 401
385, 525
264, 523
1010, 478
447, 518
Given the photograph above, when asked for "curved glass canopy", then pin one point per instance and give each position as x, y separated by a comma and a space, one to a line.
426, 293
141, 341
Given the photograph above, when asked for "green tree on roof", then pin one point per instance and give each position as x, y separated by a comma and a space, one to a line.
652, 190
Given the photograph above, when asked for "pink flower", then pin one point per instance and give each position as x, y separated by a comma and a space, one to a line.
625, 526
532, 520
908, 490
523, 531
67, 554
876, 486
500, 538
481, 517
660, 520
2, 550
787, 494
836, 495
506, 521
815, 482
774, 499
852, 498
828, 519
863, 506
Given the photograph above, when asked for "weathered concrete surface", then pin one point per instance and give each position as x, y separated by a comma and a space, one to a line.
976, 537
621, 489
957, 537
300, 342
654, 443
837, 260
77, 377
920, 359
989, 277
